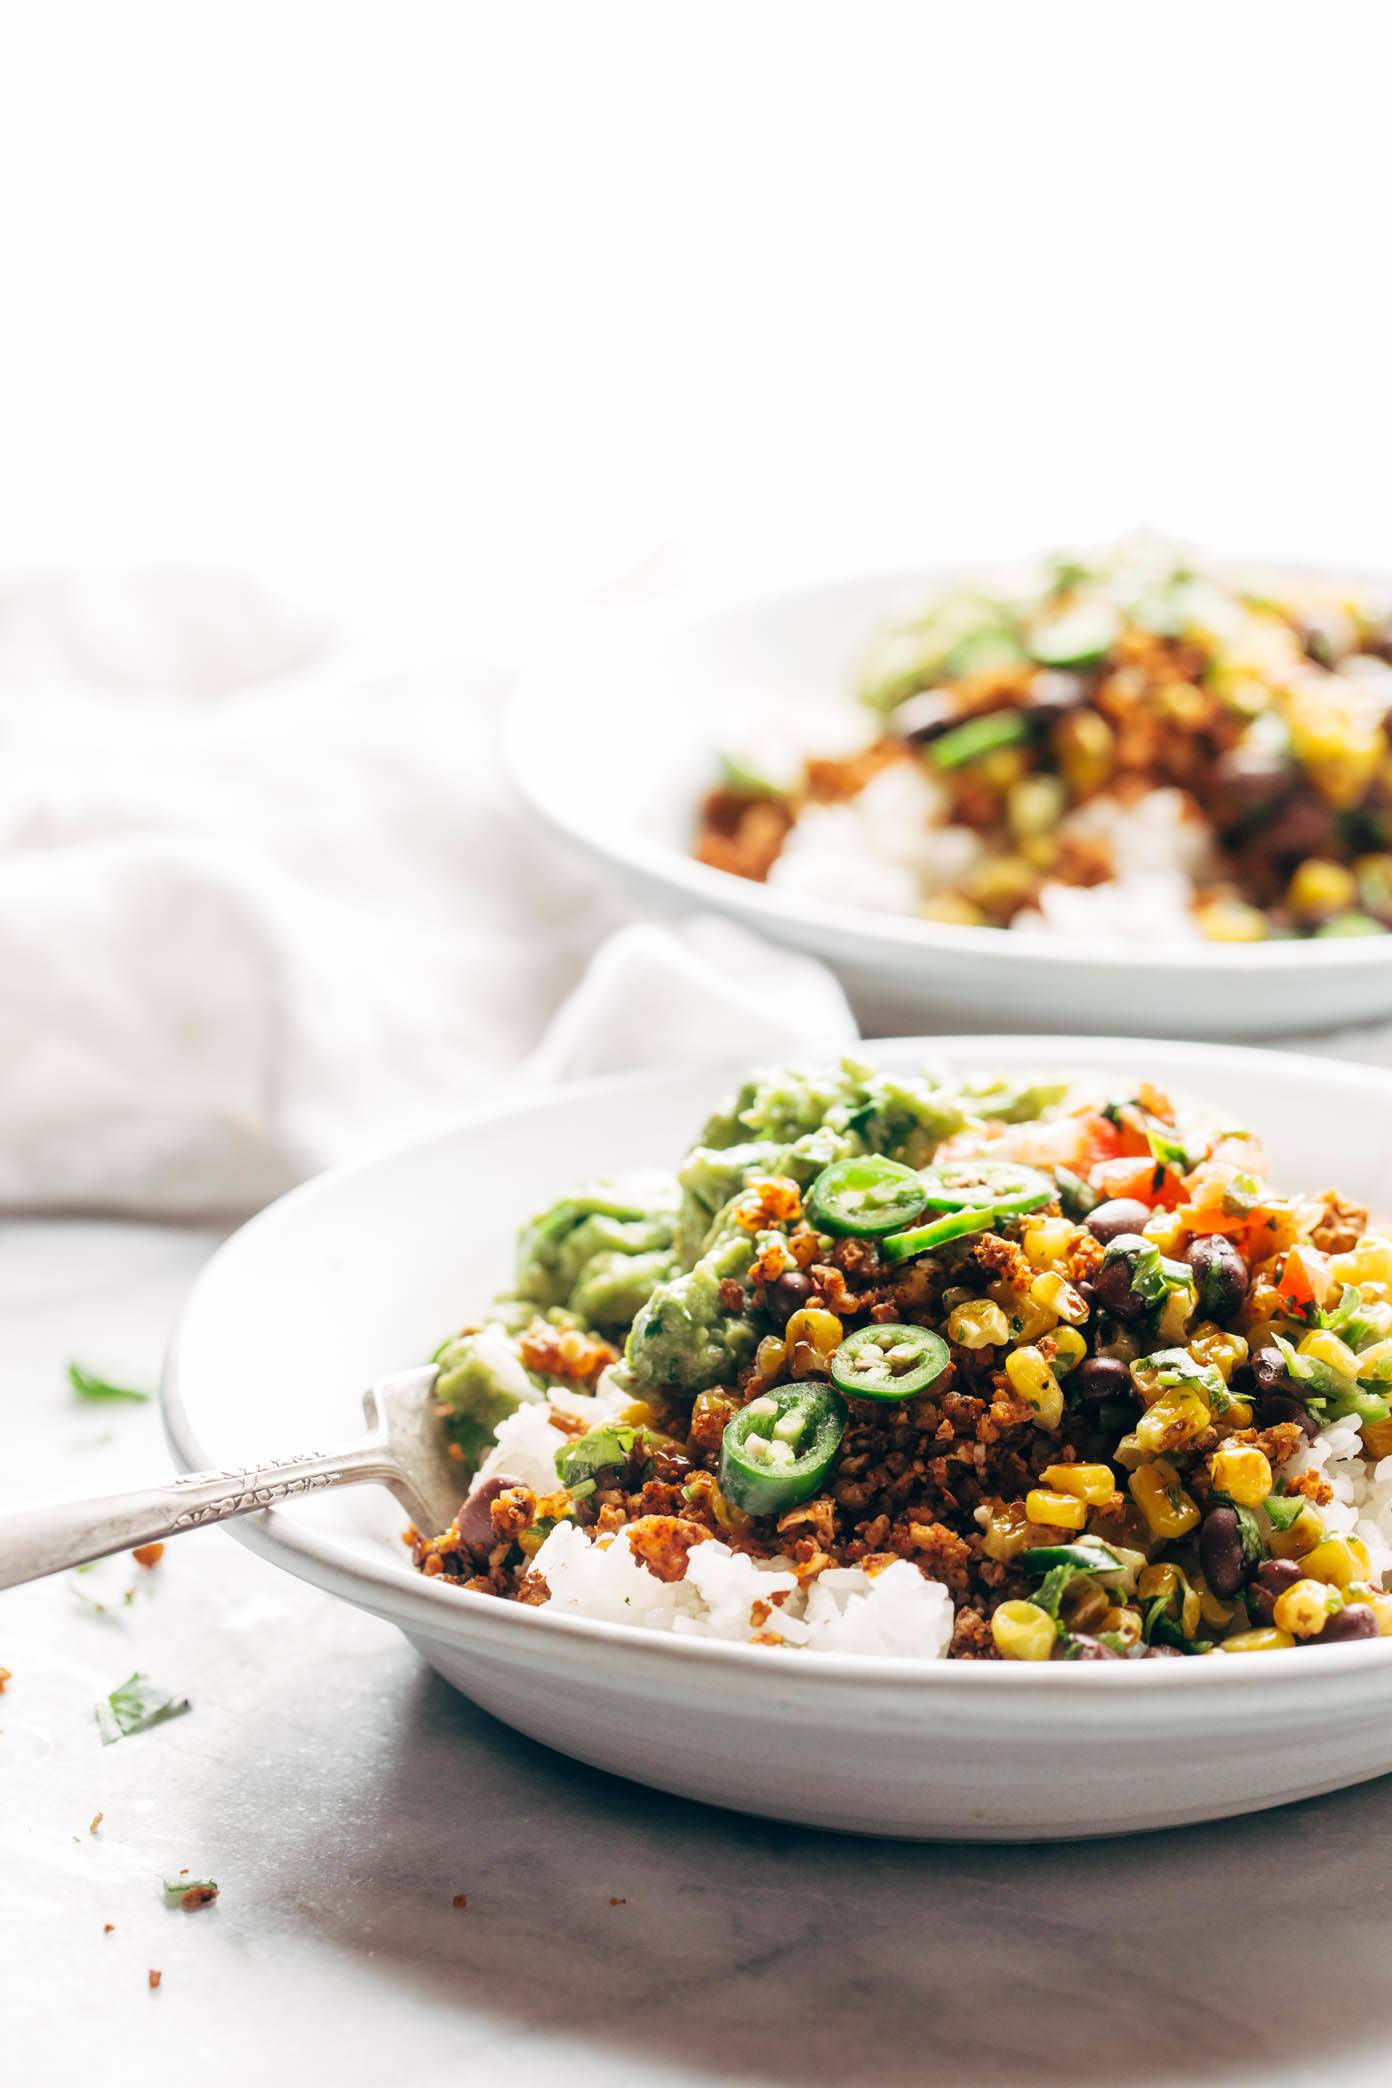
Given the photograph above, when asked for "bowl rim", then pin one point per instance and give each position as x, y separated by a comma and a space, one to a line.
408, 1599
531, 717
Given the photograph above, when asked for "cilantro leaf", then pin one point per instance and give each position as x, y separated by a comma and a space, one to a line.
98, 1391
601, 1450
134, 1707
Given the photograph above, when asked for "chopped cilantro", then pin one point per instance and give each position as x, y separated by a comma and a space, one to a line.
1283, 1509
601, 1450
99, 1391
137, 1705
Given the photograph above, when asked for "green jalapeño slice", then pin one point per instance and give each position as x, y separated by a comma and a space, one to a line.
865, 1198
779, 1449
955, 1225
1005, 1185
889, 1362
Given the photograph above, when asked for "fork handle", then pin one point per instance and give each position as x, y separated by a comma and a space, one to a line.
53, 1536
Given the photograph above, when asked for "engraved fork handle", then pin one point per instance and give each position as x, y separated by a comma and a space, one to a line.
51, 1536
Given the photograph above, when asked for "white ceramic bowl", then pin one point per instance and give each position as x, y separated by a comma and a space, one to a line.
360, 1273
613, 741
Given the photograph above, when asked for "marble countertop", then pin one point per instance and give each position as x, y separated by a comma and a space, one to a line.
342, 1796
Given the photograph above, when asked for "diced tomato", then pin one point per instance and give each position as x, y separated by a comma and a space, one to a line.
1144, 1179
1305, 1280
1156, 1101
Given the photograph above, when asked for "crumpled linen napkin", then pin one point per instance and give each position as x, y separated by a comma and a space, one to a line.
263, 906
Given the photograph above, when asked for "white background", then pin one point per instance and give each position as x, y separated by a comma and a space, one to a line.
446, 313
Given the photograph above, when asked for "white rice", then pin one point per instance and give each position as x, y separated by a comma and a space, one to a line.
888, 850
843, 1610
1362, 1503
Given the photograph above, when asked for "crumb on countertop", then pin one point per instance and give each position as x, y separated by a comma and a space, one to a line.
148, 1554
154, 1979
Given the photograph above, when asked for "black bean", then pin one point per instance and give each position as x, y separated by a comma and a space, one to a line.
475, 1523
1277, 1407
1121, 1214
926, 716
1053, 693
1102, 1378
1355, 1622
1220, 1551
1269, 1373
1112, 1285
1084, 1647
1221, 1276
787, 1294
1271, 1579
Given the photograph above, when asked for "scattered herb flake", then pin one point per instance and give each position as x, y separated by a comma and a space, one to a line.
137, 1705
189, 1893
99, 1391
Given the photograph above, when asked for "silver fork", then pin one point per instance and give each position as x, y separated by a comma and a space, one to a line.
404, 1450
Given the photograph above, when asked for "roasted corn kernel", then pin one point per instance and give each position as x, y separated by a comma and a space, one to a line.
1243, 1474
1319, 888
1302, 1536
1214, 1345
1212, 1609
1337, 1560
1124, 1624
1267, 1639
1173, 1420
1032, 1381
1231, 920
1007, 1531
1047, 1240
1023, 1631
1327, 1348
1056, 1295
980, 1324
1085, 747
1063, 1511
812, 1337
1303, 1609
1064, 1349
1088, 1482
1162, 1500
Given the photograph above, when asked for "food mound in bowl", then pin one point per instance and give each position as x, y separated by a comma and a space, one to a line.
938, 1366
1137, 748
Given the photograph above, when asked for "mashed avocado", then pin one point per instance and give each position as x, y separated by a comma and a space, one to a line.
600, 1252
482, 1380
684, 1340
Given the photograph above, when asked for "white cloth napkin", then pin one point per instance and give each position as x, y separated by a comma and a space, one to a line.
263, 907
